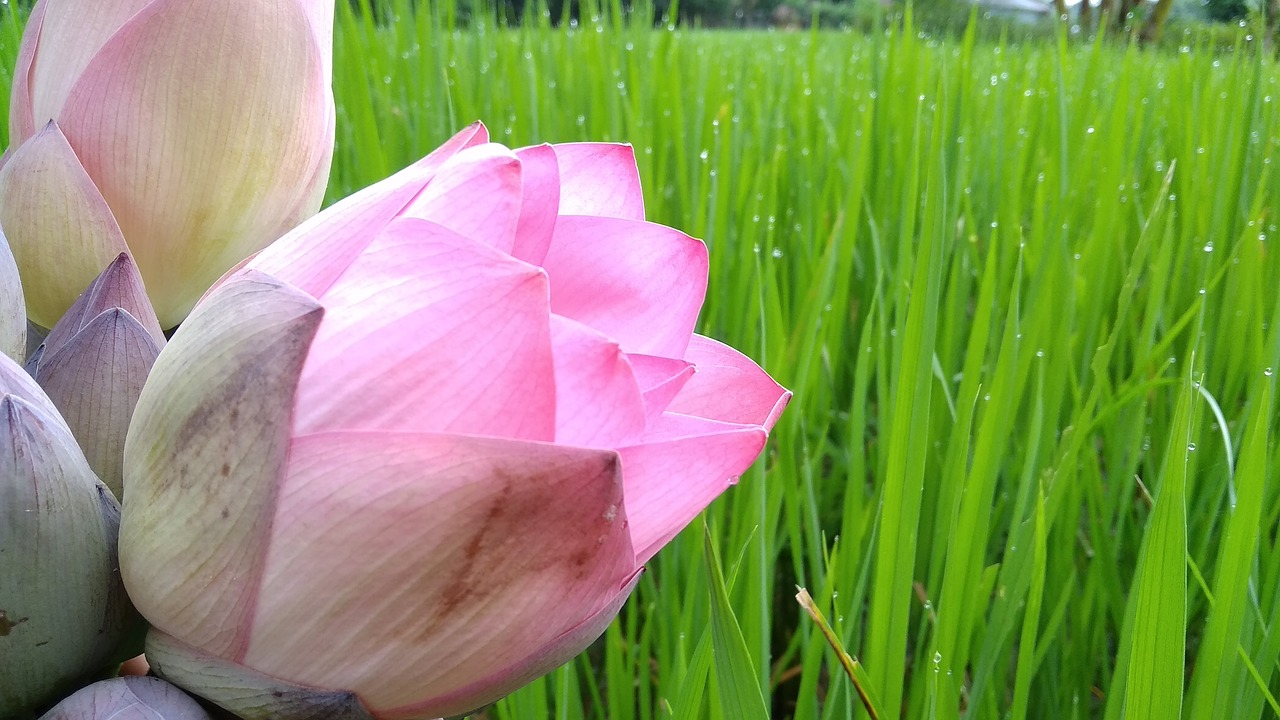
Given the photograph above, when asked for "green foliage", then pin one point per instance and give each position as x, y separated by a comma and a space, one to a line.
1226, 10
1007, 318
963, 258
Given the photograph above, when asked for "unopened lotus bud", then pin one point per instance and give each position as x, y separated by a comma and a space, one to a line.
13, 311
190, 133
128, 698
95, 360
64, 616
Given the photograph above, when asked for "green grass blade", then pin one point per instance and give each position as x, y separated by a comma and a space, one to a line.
1153, 686
740, 695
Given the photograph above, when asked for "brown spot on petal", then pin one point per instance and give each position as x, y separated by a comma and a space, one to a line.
469, 583
7, 625
491, 556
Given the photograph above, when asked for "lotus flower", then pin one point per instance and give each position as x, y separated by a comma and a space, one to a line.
189, 133
417, 452
131, 698
64, 616
94, 362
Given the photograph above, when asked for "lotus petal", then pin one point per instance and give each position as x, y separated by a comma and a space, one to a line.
70, 35
599, 179
505, 679
128, 698
95, 379
430, 331
489, 172
59, 227
660, 380
13, 309
60, 624
317, 252
209, 435
21, 116
678, 471
249, 695
118, 286
441, 548
598, 402
729, 386
640, 283
540, 204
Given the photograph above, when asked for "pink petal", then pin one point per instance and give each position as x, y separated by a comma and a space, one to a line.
468, 137
476, 194
729, 386
202, 123
315, 253
640, 283
598, 403
660, 380
428, 331
675, 475
599, 179
60, 229
541, 203
22, 124
521, 671
403, 566
71, 34
206, 450
320, 13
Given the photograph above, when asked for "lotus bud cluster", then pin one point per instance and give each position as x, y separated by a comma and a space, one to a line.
188, 133
417, 452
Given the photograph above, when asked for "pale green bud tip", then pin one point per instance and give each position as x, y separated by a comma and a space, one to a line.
244, 692
128, 698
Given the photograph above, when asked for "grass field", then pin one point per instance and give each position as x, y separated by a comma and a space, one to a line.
1028, 299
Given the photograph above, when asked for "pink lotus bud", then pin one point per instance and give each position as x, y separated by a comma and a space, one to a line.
189, 133
95, 360
417, 452
128, 698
